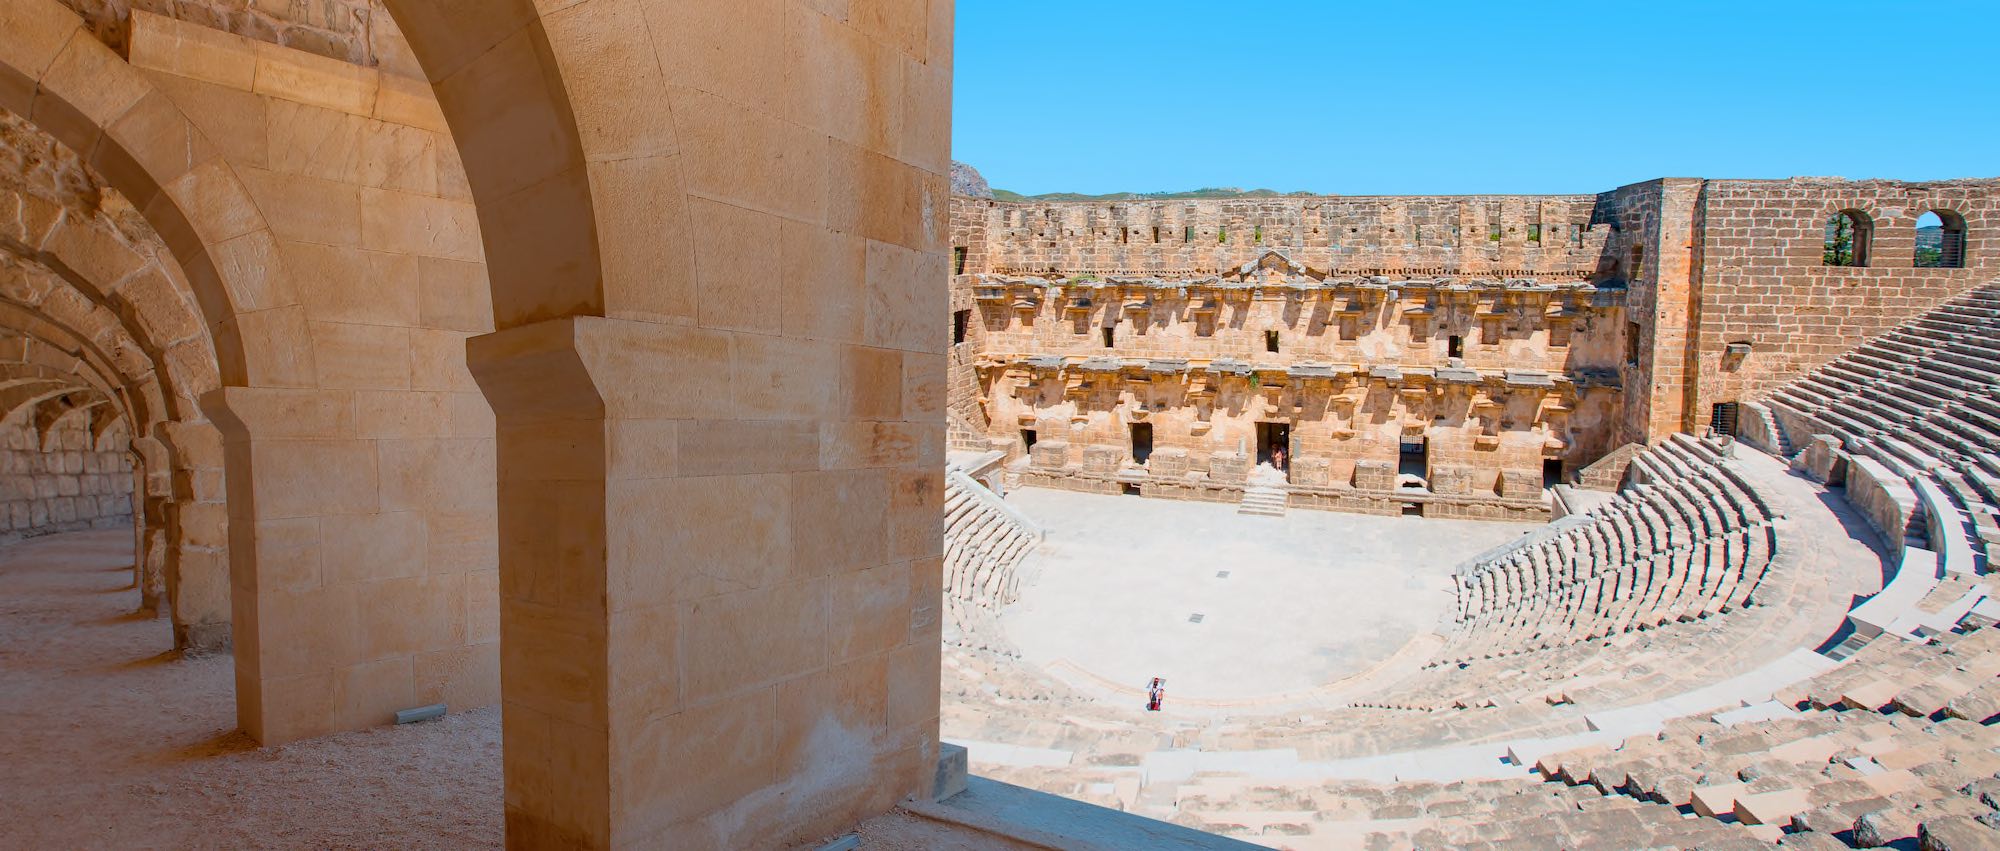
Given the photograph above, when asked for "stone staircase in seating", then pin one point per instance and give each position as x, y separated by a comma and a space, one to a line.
1265, 495
1896, 747
1923, 401
985, 542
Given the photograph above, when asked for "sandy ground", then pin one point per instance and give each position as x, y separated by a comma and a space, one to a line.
110, 740
1311, 597
107, 740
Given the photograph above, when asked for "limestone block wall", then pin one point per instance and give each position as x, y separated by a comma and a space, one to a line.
362, 495
1475, 430
1284, 283
1608, 473
355, 31
1650, 249
1500, 235
1883, 497
1764, 282
968, 423
1563, 328
1338, 422
62, 481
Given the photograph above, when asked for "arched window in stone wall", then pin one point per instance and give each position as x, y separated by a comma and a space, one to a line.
1848, 235
1940, 240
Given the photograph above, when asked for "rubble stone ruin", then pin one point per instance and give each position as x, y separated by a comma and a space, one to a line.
627, 379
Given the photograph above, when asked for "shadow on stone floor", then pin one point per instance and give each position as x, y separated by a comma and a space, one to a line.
220, 744
157, 660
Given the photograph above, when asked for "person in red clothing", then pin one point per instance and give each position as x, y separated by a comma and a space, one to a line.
1156, 694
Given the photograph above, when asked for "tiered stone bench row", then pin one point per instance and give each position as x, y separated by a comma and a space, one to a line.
1687, 540
1896, 746
985, 541
1921, 403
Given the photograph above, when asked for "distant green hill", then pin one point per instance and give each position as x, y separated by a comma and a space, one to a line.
1227, 192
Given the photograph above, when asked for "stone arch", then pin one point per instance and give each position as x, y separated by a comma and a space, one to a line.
181, 497
641, 196
56, 74
61, 346
224, 256
140, 294
504, 90
1952, 246
154, 509
1850, 237
50, 411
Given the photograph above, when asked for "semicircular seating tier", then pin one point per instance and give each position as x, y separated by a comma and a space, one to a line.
1910, 422
1688, 539
985, 542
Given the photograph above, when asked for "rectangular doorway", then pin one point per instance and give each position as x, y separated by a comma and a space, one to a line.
1142, 442
1027, 440
1722, 420
1552, 472
1272, 437
1416, 458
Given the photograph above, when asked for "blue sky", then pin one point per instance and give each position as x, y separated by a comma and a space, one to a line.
1461, 97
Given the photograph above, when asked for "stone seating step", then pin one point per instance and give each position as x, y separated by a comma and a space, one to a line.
1263, 501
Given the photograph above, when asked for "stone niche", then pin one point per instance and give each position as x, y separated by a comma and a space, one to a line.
1374, 476
1050, 455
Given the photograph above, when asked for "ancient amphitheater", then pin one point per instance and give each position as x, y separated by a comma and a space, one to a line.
598, 424
1732, 494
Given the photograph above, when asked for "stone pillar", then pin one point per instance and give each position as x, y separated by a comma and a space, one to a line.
1451, 479
719, 608
340, 614
1229, 468
1312, 472
1374, 475
1050, 455
1169, 465
151, 486
1520, 484
1103, 460
195, 515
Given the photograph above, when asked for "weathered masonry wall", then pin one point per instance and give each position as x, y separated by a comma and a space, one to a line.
356, 31
966, 423
374, 518
1496, 236
1495, 377
1764, 282
708, 330
1651, 250
62, 478
1501, 333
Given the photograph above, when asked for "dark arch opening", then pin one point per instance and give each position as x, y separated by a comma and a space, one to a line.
1849, 236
